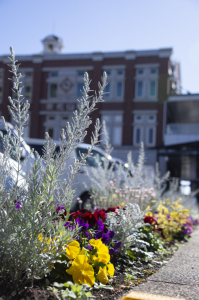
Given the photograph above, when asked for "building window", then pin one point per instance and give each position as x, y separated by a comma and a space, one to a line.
140, 72
138, 135
119, 90
107, 90
53, 74
28, 74
152, 88
80, 74
153, 71
114, 128
116, 83
140, 88
138, 118
108, 73
144, 128
151, 119
50, 47
117, 135
27, 90
53, 90
26, 133
50, 132
80, 89
120, 72
146, 83
150, 136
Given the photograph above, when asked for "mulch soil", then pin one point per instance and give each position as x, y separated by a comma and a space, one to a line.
121, 285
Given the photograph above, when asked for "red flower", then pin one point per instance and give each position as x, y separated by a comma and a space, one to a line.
160, 230
100, 215
89, 218
150, 220
74, 215
112, 209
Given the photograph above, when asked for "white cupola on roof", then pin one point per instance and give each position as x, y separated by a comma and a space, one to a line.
52, 44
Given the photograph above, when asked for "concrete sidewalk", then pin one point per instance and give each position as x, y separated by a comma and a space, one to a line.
179, 278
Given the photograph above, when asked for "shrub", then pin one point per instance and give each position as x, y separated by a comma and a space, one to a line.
31, 237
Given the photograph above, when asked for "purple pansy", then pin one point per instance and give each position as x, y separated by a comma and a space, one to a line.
68, 224
82, 224
188, 230
18, 205
60, 207
100, 225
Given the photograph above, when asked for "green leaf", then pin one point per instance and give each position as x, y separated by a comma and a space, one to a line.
102, 286
131, 254
47, 281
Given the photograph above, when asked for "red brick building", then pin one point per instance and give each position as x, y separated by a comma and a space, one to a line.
139, 83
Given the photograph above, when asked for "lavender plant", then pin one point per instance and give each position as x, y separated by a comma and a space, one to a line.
109, 192
137, 169
31, 236
101, 176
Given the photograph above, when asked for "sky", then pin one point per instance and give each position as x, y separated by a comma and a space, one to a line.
106, 25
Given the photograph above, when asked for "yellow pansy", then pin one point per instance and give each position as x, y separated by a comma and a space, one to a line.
102, 251
110, 269
83, 251
81, 271
102, 275
96, 243
72, 249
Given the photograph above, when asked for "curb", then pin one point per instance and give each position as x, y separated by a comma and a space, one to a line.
143, 296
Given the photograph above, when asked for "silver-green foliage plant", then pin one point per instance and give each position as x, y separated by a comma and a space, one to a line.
136, 169
103, 174
31, 235
126, 222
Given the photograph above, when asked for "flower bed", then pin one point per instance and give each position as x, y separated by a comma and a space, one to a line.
105, 261
46, 252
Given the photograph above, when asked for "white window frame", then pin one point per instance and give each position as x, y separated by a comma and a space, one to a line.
137, 120
147, 136
28, 95
145, 124
151, 121
140, 75
52, 74
113, 79
155, 70
49, 88
141, 135
112, 124
27, 80
57, 123
149, 88
146, 78
122, 94
109, 94
143, 88
113, 136
78, 92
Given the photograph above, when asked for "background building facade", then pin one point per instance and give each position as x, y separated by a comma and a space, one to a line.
139, 82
